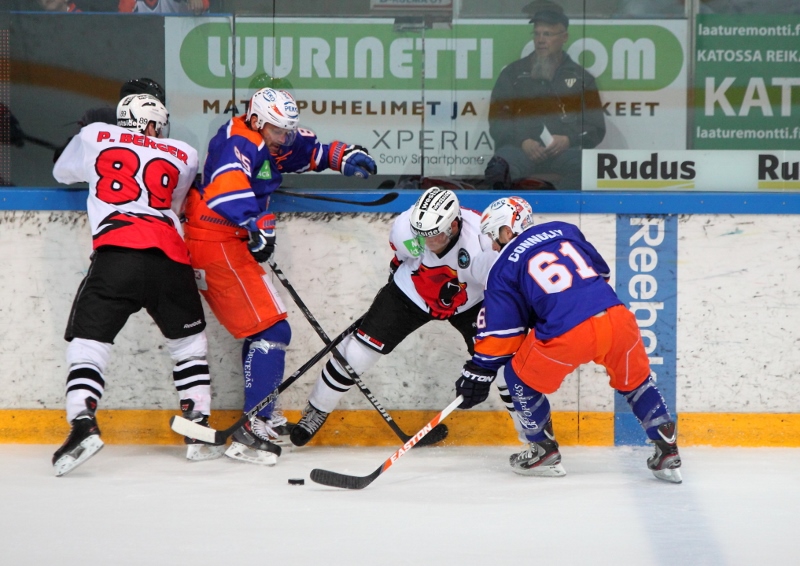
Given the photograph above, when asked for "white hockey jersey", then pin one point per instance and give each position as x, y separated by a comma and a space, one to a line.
137, 185
443, 286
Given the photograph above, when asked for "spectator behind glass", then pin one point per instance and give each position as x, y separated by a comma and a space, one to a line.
58, 6
196, 7
544, 109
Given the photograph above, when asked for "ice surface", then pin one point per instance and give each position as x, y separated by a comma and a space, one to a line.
139, 505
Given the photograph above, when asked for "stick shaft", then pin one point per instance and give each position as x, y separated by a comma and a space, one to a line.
335, 479
385, 199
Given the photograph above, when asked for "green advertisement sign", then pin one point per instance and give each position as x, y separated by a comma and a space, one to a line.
355, 56
747, 82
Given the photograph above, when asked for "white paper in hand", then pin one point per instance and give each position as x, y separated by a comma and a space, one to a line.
546, 137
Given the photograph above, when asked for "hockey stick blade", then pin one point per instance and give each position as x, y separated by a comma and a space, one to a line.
385, 199
344, 481
207, 434
193, 430
435, 436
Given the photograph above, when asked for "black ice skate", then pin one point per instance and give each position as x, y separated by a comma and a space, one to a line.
197, 450
540, 458
82, 443
254, 442
666, 460
309, 424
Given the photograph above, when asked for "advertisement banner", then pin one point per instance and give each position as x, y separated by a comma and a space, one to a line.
691, 170
647, 282
747, 82
418, 100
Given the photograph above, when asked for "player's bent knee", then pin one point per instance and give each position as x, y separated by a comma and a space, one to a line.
83, 351
190, 347
278, 333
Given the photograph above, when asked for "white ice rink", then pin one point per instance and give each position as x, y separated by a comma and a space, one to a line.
135, 505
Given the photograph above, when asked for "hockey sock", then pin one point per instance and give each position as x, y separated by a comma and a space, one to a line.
649, 407
505, 397
532, 407
333, 381
87, 361
263, 362
190, 373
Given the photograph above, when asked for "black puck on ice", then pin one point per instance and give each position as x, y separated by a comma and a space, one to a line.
297, 481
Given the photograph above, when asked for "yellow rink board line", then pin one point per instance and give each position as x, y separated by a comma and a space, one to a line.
367, 428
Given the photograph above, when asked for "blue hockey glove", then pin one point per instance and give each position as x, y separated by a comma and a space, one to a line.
351, 160
474, 384
262, 236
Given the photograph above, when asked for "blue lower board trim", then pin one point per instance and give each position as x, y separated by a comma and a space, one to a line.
548, 202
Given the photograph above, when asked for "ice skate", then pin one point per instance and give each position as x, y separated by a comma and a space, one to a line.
197, 450
309, 424
666, 460
254, 442
82, 443
539, 459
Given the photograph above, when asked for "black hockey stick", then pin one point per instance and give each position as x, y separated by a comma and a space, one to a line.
385, 199
335, 479
437, 436
206, 434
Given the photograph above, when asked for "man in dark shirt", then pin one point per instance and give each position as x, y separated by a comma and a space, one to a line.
544, 109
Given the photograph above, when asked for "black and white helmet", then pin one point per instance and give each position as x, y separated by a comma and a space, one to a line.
434, 213
514, 212
136, 111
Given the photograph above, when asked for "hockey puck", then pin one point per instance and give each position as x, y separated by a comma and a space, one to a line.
297, 481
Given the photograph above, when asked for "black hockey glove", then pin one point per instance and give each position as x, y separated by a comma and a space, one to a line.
262, 237
474, 384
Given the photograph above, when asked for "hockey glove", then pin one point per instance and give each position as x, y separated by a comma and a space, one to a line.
474, 384
351, 160
262, 236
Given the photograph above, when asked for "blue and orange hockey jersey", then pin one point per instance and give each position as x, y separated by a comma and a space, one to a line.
548, 279
240, 174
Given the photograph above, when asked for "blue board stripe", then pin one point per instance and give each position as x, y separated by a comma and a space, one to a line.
546, 202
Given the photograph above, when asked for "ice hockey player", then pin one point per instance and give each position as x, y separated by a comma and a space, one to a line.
230, 231
137, 184
548, 309
439, 268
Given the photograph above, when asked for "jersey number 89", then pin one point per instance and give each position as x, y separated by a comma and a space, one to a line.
117, 168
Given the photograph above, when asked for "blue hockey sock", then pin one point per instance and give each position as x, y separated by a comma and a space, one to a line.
649, 407
263, 362
532, 407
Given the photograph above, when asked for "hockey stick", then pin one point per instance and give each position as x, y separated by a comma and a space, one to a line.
385, 199
206, 434
335, 479
439, 435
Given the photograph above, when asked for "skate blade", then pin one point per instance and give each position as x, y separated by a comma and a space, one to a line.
238, 451
202, 452
85, 450
670, 475
552, 471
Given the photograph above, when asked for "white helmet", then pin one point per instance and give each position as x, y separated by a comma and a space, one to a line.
513, 212
136, 111
434, 213
276, 107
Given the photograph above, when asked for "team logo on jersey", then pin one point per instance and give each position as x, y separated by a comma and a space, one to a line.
441, 290
415, 246
463, 258
265, 172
